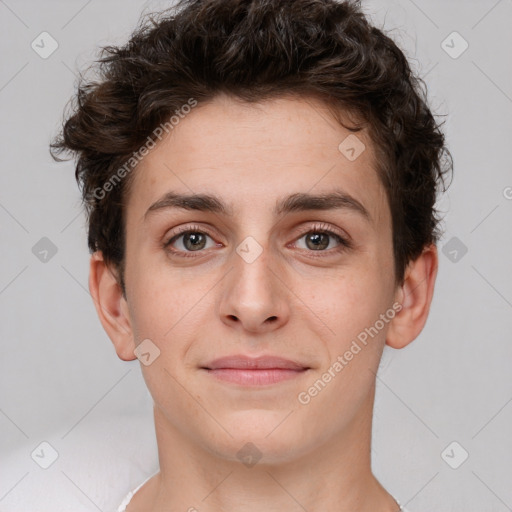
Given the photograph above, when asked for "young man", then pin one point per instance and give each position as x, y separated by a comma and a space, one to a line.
260, 179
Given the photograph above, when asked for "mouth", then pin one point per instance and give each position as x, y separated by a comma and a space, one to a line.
260, 371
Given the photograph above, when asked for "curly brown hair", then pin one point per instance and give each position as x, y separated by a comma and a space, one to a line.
254, 50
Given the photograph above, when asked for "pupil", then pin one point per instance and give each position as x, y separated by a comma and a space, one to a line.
318, 241
195, 239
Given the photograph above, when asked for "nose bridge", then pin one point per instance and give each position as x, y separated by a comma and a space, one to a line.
253, 294
252, 275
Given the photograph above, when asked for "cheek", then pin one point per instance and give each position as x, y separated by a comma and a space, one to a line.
351, 308
163, 302
149, 298
357, 304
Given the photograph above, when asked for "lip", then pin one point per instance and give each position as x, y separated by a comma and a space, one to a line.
259, 371
242, 362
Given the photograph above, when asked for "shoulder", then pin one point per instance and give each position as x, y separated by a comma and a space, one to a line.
150, 481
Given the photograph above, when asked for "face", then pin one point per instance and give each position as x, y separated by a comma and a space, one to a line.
259, 269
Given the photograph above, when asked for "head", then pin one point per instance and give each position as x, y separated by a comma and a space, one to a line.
260, 177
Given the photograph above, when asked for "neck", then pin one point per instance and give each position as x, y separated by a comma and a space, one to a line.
335, 477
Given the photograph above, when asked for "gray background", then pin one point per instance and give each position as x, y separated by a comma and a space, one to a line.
60, 379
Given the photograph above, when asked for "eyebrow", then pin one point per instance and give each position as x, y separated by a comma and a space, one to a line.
298, 202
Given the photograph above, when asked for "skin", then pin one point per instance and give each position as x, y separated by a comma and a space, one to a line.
315, 456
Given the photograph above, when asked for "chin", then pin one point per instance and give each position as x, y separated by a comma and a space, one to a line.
260, 436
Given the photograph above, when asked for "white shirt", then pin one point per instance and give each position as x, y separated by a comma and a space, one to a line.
129, 496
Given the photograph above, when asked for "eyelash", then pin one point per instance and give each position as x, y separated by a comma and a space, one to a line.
344, 243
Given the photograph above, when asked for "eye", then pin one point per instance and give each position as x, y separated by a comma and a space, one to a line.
319, 238
188, 239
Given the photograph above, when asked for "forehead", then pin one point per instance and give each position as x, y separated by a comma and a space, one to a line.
252, 153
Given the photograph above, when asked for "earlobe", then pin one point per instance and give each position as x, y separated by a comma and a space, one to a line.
415, 296
111, 306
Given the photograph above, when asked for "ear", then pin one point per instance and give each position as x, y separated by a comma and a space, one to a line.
111, 306
415, 296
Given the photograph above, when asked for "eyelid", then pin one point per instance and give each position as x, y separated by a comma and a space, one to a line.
321, 227
189, 228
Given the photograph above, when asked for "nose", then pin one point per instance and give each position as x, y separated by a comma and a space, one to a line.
254, 297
